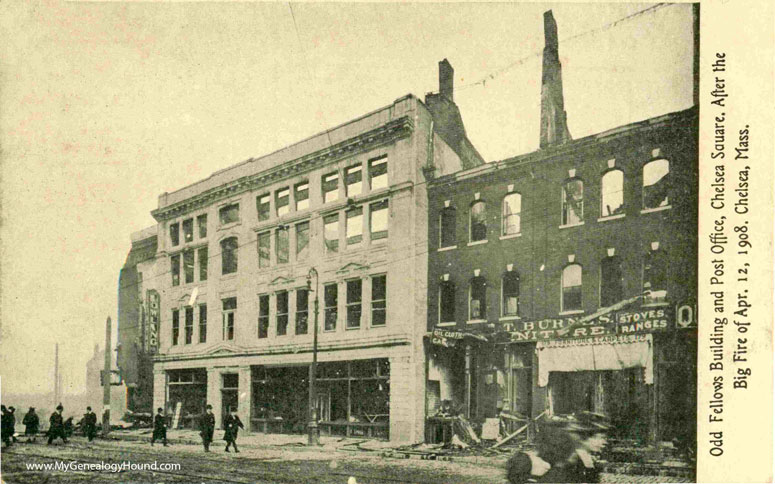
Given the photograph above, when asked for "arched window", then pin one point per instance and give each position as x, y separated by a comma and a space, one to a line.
447, 302
510, 291
447, 227
611, 281
478, 221
477, 301
229, 255
573, 202
571, 288
655, 266
612, 193
655, 183
512, 212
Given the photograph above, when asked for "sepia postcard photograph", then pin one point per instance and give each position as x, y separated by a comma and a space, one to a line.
369, 243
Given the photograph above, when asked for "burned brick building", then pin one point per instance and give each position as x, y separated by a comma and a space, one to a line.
565, 279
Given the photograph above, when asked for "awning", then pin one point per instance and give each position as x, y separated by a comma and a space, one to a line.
599, 353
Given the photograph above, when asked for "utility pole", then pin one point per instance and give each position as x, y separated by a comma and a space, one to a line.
314, 431
106, 380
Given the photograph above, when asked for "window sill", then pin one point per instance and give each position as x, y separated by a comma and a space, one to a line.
444, 249
353, 328
509, 318
329, 330
452, 323
377, 326
229, 225
510, 236
569, 313
579, 224
656, 209
477, 242
611, 217
476, 321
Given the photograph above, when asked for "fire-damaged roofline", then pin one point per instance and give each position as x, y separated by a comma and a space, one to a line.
552, 153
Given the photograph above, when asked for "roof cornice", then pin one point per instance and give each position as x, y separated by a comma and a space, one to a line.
387, 133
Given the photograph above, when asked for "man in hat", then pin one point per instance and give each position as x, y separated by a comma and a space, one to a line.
232, 424
207, 427
56, 426
90, 424
31, 424
588, 431
5, 427
159, 427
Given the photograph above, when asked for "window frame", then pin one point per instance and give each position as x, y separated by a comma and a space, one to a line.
202, 323
229, 316
302, 253
327, 180
228, 208
282, 242
482, 316
382, 205
202, 257
331, 245
264, 237
330, 309
379, 305
201, 224
666, 177
471, 221
225, 251
301, 195
357, 237
565, 206
563, 287
189, 266
447, 286
606, 175
442, 227
174, 232
175, 327
282, 318
505, 217
661, 256
264, 207
187, 228
510, 275
263, 316
302, 312
355, 306
188, 332
614, 259
375, 162
354, 171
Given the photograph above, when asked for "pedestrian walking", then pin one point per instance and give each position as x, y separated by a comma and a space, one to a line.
232, 424
90, 424
31, 424
159, 427
56, 426
6, 428
207, 427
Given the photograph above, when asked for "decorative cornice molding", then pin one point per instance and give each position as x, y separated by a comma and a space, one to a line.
387, 133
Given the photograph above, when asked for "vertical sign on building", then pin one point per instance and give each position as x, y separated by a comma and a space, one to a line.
152, 321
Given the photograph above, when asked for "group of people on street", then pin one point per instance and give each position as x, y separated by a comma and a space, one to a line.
231, 424
59, 427
565, 452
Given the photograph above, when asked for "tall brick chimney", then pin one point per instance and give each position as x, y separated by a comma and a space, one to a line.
554, 124
446, 79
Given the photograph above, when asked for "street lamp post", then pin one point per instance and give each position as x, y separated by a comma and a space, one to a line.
314, 431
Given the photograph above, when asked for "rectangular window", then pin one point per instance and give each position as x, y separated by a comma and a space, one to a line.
302, 241
262, 207
301, 196
354, 298
229, 255
229, 214
448, 227
331, 230
201, 223
282, 313
188, 266
655, 277
281, 245
174, 234
354, 226
302, 311
189, 325
282, 201
571, 288
573, 202
330, 187
202, 255
263, 316
175, 326
331, 298
611, 282
354, 181
175, 269
378, 300
263, 249
229, 315
478, 298
203, 323
188, 230
510, 290
378, 173
447, 302
378, 221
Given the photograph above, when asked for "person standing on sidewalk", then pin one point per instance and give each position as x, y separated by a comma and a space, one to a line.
7, 431
159, 427
90, 424
207, 427
232, 424
31, 424
56, 426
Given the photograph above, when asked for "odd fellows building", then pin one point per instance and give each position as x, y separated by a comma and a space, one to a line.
565, 279
338, 219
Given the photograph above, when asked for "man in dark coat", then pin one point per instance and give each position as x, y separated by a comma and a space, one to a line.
31, 424
90, 424
232, 424
56, 426
6, 426
207, 427
12, 421
159, 427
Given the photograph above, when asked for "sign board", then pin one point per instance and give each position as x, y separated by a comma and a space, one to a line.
450, 338
152, 321
176, 415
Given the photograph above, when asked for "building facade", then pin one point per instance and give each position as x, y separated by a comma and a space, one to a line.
565, 280
238, 293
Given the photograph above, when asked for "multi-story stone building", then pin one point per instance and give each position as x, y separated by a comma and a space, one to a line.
565, 279
235, 254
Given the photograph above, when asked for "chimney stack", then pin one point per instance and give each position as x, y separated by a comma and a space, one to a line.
554, 124
446, 79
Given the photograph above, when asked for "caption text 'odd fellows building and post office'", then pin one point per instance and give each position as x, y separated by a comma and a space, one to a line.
548, 283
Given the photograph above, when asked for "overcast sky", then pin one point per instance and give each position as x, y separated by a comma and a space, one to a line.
104, 106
